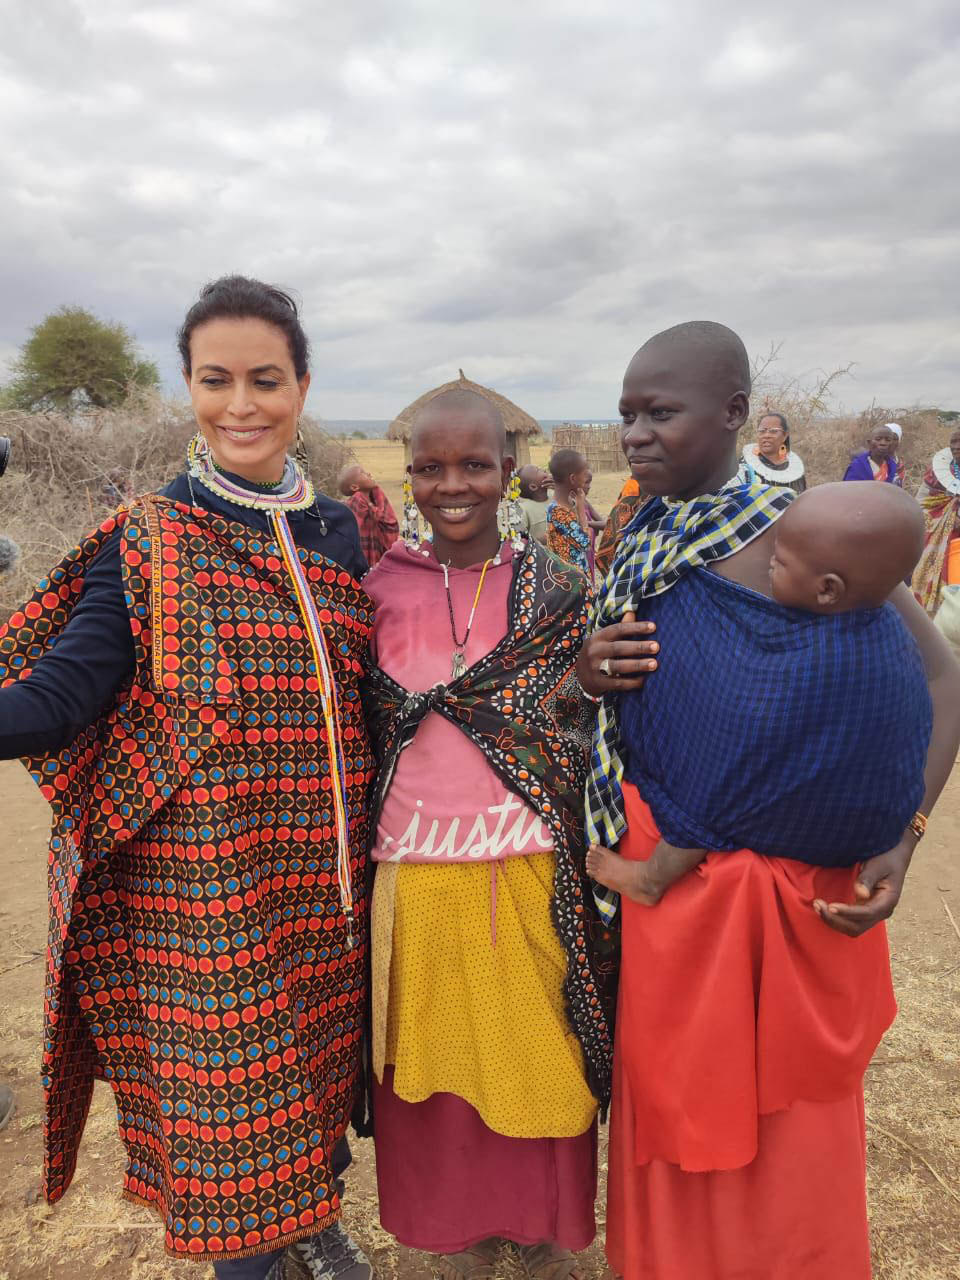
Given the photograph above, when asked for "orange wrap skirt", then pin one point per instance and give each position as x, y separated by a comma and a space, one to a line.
745, 1026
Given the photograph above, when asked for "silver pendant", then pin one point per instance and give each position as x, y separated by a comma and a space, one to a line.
458, 666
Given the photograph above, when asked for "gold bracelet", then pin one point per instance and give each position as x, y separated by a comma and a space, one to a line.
918, 824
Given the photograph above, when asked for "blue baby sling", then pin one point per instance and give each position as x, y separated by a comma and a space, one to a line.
796, 735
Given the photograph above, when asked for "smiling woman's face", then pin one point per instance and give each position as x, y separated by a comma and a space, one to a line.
458, 474
246, 396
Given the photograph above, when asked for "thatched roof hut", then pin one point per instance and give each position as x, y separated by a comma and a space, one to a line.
521, 428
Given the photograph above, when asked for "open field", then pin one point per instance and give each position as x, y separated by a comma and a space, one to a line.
913, 1096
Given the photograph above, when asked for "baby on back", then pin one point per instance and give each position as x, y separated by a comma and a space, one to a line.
839, 550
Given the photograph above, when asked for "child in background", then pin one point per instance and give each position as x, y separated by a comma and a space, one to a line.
834, 557
377, 522
535, 484
568, 525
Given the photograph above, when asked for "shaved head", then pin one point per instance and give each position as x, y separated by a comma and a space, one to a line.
868, 535
718, 353
460, 404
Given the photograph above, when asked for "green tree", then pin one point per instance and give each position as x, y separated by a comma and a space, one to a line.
72, 360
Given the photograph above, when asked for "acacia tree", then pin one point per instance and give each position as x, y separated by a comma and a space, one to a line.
73, 360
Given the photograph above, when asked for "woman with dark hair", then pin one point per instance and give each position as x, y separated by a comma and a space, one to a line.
183, 687
770, 458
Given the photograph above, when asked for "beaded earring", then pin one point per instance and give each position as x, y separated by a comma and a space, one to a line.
410, 528
301, 456
510, 514
198, 453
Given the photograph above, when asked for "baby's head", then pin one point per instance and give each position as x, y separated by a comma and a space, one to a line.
840, 547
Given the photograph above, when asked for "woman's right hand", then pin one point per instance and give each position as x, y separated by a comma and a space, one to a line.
627, 650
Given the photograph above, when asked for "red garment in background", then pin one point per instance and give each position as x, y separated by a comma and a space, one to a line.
377, 522
744, 1028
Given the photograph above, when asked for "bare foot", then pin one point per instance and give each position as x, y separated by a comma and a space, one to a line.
615, 872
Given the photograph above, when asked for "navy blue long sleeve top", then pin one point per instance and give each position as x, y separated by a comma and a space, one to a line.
93, 657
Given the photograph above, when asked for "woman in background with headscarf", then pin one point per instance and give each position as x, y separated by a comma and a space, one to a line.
879, 460
936, 579
770, 458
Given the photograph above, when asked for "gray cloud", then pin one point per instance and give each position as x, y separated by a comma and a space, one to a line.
526, 191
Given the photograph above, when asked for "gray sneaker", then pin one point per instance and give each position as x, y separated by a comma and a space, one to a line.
331, 1255
8, 1104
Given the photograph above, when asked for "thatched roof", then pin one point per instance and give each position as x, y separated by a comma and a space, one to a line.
515, 420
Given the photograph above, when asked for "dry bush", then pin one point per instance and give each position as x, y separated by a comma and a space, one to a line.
67, 474
826, 439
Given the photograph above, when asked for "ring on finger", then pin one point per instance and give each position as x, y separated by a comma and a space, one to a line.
605, 667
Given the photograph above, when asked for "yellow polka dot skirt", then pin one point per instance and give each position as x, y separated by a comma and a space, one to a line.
457, 1014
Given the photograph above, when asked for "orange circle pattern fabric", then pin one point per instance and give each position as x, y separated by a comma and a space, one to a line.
199, 958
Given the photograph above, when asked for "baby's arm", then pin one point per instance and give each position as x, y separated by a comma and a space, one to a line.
643, 882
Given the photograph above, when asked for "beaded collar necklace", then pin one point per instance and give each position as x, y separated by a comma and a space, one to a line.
295, 492
946, 470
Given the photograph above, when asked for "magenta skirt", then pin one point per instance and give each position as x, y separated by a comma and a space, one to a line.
446, 1180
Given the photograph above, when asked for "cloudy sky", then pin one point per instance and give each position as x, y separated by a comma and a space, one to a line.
524, 188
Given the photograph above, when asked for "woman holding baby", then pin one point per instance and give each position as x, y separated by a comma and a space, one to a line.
754, 994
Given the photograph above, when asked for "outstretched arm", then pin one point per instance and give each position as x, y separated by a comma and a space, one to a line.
77, 677
880, 882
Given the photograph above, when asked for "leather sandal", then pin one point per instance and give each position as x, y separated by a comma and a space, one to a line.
549, 1262
476, 1263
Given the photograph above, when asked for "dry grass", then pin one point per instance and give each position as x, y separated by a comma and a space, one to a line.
66, 473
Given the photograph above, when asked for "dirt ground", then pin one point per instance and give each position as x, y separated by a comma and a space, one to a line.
913, 1086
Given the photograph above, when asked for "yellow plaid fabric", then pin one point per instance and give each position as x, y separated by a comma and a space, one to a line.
665, 540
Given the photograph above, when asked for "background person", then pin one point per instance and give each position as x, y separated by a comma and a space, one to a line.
770, 457
375, 516
535, 485
198, 733
879, 460
568, 526
936, 580
624, 509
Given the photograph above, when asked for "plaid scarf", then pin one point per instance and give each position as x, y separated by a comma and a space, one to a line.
665, 541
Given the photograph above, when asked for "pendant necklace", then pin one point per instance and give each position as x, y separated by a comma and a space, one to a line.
459, 664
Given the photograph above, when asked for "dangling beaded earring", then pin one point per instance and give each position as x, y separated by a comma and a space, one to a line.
410, 530
510, 514
301, 456
198, 454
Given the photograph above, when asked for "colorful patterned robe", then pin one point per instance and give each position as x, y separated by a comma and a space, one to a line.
198, 955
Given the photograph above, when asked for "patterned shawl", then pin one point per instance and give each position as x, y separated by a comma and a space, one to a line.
665, 540
941, 514
523, 707
620, 516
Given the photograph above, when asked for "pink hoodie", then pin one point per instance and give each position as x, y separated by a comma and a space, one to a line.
445, 803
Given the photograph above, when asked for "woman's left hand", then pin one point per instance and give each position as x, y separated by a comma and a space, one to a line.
877, 891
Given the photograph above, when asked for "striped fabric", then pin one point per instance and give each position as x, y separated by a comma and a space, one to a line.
665, 540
